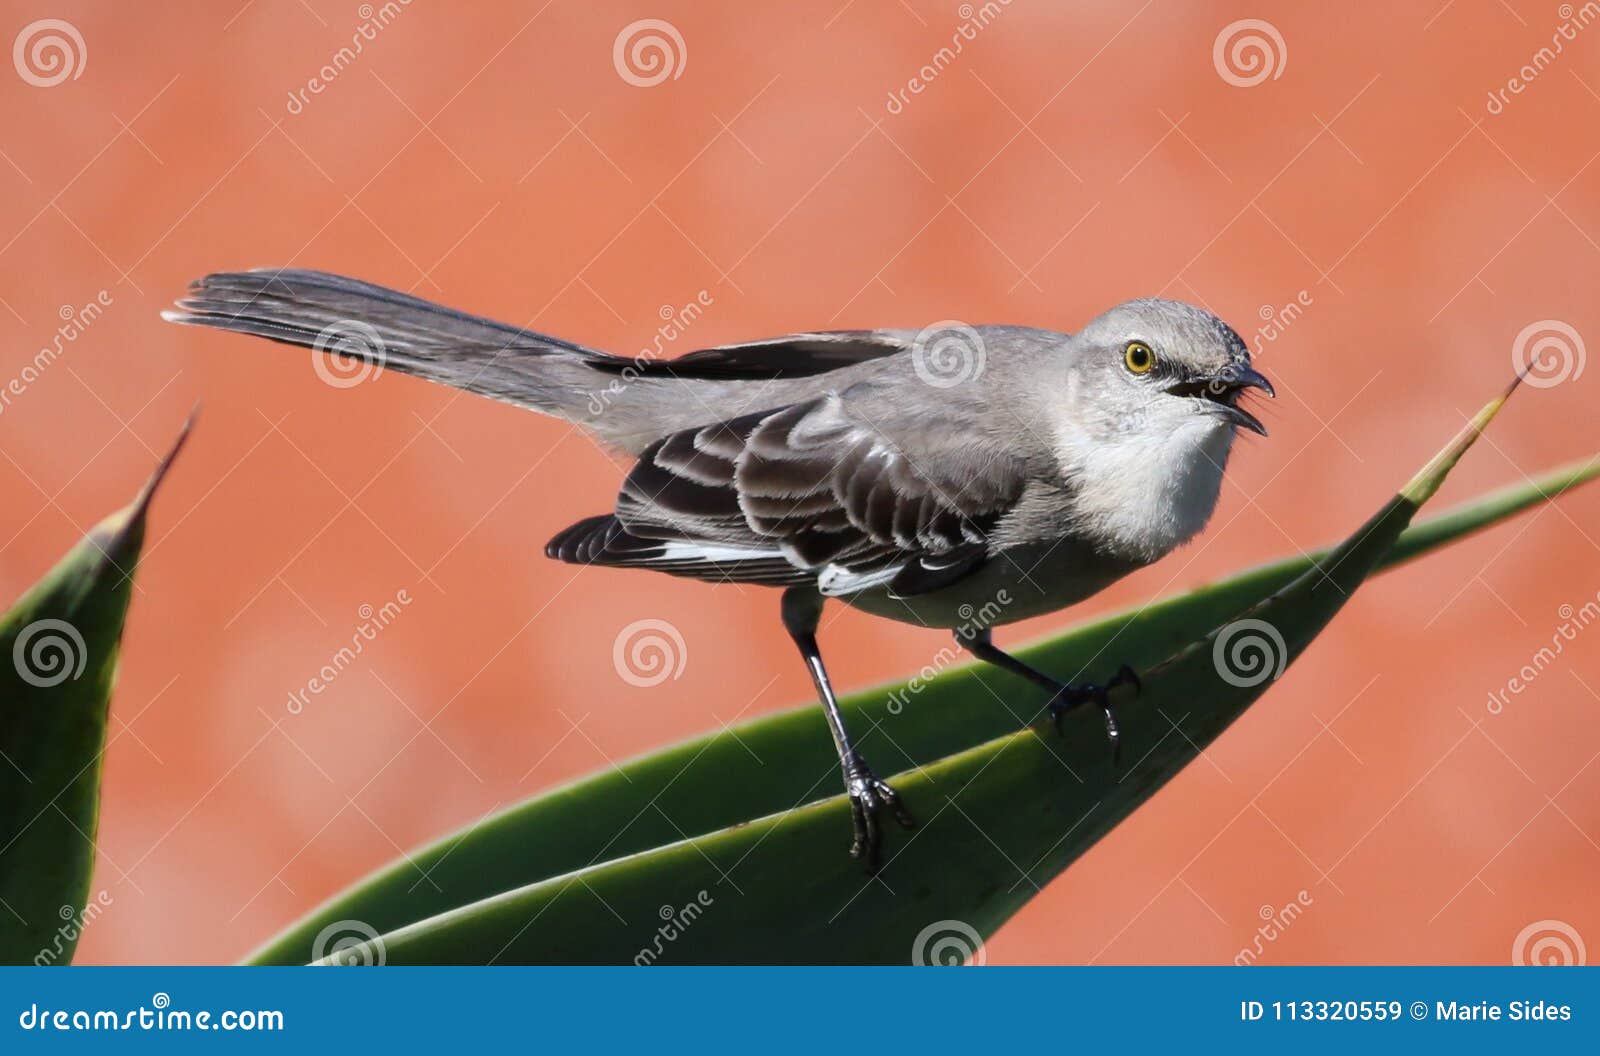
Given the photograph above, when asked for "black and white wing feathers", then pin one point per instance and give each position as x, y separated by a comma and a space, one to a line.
805, 493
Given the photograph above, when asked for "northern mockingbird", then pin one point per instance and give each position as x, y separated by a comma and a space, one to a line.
958, 477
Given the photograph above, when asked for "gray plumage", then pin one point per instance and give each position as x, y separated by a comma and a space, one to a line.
955, 477
1047, 469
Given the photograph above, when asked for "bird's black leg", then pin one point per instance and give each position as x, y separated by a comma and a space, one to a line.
1063, 698
802, 608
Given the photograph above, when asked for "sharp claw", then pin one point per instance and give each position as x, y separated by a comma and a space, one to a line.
891, 799
1070, 697
858, 827
867, 796
1115, 736
869, 818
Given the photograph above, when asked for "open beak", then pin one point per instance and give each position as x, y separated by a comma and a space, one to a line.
1222, 390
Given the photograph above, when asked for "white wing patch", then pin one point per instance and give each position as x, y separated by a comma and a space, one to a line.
684, 551
837, 580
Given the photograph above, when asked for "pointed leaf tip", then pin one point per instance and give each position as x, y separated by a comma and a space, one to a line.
142, 501
1422, 486
108, 535
60, 644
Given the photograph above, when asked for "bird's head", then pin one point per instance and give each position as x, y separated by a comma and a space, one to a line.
1151, 410
1155, 367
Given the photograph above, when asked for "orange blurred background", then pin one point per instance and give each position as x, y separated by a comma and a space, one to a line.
491, 157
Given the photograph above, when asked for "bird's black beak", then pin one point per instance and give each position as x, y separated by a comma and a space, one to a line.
1238, 377
1223, 388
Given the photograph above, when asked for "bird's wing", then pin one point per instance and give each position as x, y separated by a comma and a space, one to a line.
811, 492
790, 356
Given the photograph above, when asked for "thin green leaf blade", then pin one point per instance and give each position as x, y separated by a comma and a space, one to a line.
58, 658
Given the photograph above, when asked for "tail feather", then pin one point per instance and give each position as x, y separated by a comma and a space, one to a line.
294, 304
629, 403
395, 331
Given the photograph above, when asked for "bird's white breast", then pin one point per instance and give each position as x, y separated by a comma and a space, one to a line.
1134, 500
1143, 495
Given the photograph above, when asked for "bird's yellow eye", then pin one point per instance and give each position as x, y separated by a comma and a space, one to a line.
1138, 358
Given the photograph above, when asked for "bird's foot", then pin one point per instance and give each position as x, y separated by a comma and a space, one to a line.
869, 795
1069, 697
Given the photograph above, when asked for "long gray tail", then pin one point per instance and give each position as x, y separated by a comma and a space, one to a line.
368, 326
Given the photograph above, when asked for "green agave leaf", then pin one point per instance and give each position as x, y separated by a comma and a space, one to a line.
656, 799
565, 829
998, 819
58, 660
